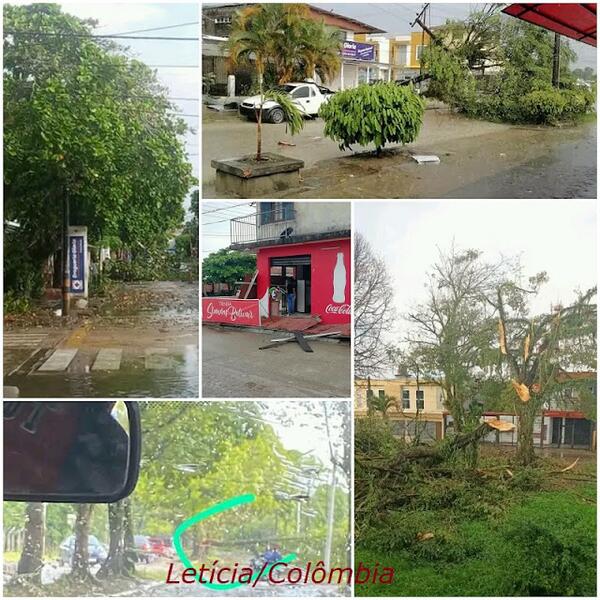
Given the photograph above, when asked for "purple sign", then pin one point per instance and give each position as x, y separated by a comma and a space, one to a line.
358, 51
77, 263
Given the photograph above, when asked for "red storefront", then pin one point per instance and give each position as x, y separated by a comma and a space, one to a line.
320, 270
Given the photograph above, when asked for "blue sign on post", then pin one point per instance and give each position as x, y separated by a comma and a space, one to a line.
77, 263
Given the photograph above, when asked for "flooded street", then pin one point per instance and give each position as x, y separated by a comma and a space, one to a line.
141, 341
478, 159
233, 366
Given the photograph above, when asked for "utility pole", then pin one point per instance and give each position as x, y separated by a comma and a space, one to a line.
331, 499
66, 267
556, 61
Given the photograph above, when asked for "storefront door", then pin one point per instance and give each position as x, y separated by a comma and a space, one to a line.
297, 269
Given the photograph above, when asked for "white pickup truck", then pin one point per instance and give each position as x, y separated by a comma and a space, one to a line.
308, 96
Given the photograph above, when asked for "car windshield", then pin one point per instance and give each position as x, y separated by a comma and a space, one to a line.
287, 88
282, 470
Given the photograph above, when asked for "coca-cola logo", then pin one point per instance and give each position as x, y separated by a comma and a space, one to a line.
229, 311
338, 309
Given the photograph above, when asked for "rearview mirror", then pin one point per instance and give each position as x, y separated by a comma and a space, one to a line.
82, 451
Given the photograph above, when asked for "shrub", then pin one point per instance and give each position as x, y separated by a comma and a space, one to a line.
14, 304
543, 106
373, 436
380, 114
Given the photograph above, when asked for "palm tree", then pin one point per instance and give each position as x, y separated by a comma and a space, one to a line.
381, 404
321, 50
256, 40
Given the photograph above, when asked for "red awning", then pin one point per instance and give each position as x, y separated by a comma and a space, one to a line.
577, 21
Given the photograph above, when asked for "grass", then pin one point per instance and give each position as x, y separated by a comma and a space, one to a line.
541, 543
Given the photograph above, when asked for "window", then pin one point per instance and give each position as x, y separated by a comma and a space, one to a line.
420, 399
381, 394
419, 52
272, 212
266, 212
301, 92
405, 398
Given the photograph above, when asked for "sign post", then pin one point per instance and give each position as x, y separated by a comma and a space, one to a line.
78, 262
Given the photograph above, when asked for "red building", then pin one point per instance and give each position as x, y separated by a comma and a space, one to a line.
302, 248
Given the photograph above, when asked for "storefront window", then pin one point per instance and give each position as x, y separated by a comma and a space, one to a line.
362, 75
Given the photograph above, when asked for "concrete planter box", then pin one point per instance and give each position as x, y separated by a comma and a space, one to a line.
246, 178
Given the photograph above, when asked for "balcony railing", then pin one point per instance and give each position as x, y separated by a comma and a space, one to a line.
262, 226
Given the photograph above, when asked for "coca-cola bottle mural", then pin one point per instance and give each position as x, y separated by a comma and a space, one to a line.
339, 280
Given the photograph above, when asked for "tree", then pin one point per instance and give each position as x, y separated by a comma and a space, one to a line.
538, 349
476, 40
452, 331
378, 114
255, 40
227, 266
373, 309
32, 557
84, 120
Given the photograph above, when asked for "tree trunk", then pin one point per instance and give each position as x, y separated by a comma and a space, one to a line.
259, 119
81, 569
525, 451
31, 561
119, 562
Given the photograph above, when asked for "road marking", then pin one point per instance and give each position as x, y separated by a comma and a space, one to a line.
108, 359
59, 360
23, 340
77, 336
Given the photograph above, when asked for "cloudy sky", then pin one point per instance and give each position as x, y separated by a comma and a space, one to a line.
215, 221
556, 236
396, 18
176, 61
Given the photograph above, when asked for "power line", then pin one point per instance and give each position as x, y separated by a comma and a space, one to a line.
205, 212
107, 37
157, 28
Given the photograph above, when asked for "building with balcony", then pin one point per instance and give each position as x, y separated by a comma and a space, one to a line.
302, 249
419, 410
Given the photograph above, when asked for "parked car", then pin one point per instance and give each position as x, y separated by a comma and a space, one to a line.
96, 551
143, 548
306, 95
162, 546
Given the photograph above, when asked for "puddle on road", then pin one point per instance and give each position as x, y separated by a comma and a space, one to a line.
179, 380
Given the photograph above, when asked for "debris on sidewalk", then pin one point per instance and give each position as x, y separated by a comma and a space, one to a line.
426, 158
284, 143
300, 338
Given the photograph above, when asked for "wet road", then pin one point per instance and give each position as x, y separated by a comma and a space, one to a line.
234, 367
141, 343
478, 160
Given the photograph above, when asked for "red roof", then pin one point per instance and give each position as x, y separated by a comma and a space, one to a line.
577, 21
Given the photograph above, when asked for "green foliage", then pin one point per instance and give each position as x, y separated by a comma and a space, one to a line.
149, 267
373, 436
283, 38
521, 90
227, 266
15, 304
293, 116
543, 106
381, 114
549, 549
83, 119
542, 546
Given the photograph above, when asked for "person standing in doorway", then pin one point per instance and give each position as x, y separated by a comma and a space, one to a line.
290, 290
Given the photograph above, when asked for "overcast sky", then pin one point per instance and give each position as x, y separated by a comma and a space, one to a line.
182, 82
556, 236
215, 223
396, 18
